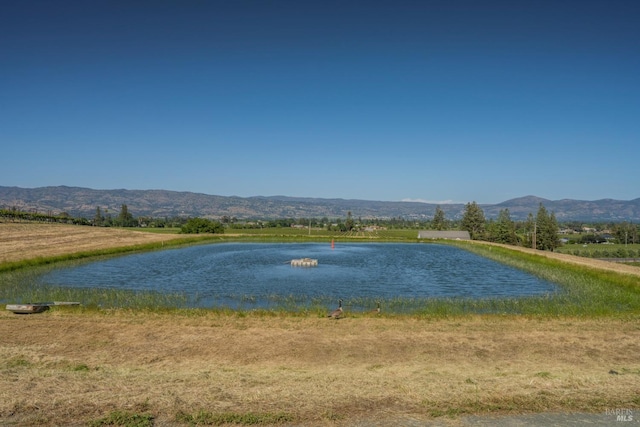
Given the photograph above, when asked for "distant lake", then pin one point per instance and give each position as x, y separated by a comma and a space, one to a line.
229, 274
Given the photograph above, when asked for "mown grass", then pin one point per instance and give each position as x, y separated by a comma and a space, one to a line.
129, 369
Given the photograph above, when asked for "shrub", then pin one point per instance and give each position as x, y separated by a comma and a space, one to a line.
202, 225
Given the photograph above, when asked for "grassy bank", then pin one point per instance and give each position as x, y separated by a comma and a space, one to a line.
585, 291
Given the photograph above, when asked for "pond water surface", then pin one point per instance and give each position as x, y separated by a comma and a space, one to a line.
225, 274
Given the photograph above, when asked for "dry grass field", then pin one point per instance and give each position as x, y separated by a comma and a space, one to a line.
25, 240
62, 368
71, 366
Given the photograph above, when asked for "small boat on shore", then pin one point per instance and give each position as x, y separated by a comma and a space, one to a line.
36, 307
304, 262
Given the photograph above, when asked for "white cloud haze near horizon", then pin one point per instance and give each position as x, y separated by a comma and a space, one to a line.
432, 202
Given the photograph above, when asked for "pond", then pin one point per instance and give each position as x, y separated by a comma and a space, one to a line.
234, 274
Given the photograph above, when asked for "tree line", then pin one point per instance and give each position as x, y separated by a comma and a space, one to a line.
539, 231
101, 218
14, 214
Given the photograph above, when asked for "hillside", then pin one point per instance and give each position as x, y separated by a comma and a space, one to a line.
82, 202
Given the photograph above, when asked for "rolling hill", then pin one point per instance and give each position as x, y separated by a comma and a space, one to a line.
82, 202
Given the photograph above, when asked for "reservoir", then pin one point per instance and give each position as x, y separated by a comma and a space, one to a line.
236, 274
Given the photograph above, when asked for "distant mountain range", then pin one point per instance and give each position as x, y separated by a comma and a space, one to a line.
82, 202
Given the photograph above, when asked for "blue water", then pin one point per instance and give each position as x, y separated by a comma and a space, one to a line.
219, 274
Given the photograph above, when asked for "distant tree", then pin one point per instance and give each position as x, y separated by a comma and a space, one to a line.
202, 225
98, 219
439, 221
530, 230
625, 233
349, 223
125, 218
547, 228
503, 230
146, 221
473, 221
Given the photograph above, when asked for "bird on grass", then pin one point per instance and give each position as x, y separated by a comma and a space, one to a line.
337, 313
376, 310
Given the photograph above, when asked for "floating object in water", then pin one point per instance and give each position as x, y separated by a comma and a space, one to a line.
36, 307
304, 262
333, 245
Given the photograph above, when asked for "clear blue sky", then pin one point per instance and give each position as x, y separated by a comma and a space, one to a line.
378, 100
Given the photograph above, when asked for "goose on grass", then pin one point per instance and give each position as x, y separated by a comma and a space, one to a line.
337, 313
377, 310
